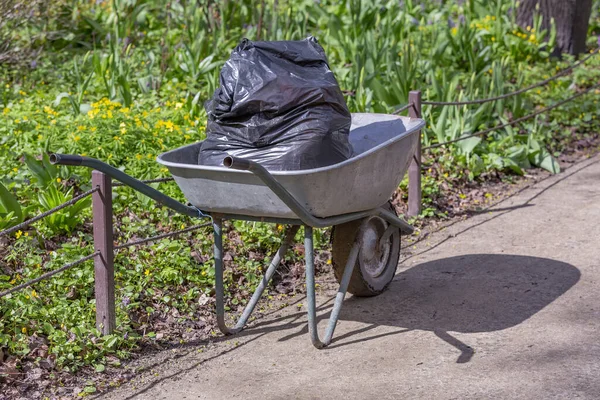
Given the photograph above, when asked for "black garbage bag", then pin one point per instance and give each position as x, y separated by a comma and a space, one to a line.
280, 105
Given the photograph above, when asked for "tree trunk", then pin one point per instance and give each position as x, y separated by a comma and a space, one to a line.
571, 18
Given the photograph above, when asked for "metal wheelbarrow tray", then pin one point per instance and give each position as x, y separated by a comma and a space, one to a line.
352, 196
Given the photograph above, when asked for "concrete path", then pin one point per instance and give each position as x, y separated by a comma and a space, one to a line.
505, 305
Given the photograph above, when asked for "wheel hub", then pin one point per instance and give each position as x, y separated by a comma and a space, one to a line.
374, 255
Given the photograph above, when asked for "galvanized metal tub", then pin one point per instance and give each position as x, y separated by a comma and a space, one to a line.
383, 146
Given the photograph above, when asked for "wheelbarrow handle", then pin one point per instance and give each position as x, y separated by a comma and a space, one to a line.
238, 163
76, 160
66, 159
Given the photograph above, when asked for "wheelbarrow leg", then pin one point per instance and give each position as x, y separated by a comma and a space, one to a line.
219, 286
310, 290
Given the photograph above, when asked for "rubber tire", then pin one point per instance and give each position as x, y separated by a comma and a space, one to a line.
361, 283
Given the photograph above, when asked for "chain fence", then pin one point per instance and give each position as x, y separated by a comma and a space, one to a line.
403, 108
43, 215
155, 180
516, 121
48, 274
65, 267
516, 92
160, 237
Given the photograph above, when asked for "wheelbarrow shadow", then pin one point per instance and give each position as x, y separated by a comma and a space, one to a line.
466, 294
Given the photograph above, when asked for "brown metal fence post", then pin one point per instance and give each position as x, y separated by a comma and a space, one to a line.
414, 171
104, 273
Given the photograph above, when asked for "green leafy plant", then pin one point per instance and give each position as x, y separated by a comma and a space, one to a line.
11, 212
114, 71
64, 220
76, 101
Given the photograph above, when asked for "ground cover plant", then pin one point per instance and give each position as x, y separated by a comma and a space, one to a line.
125, 80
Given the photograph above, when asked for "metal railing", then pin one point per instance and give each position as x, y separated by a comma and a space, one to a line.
414, 110
104, 248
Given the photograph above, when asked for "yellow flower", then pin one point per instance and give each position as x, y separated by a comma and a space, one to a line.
34, 293
81, 128
147, 272
329, 261
77, 138
53, 122
178, 105
18, 234
17, 121
6, 111
40, 137
122, 125
13, 282
454, 30
123, 130
24, 330
138, 156
15, 169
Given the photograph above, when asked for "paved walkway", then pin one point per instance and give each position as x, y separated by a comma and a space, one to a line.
505, 305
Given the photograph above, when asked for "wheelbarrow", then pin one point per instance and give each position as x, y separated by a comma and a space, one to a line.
352, 196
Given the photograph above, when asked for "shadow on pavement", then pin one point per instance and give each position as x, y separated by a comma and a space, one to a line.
468, 294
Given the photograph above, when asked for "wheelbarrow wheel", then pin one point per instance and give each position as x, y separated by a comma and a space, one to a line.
376, 263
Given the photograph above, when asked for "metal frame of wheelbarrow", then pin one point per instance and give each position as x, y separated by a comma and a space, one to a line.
305, 219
